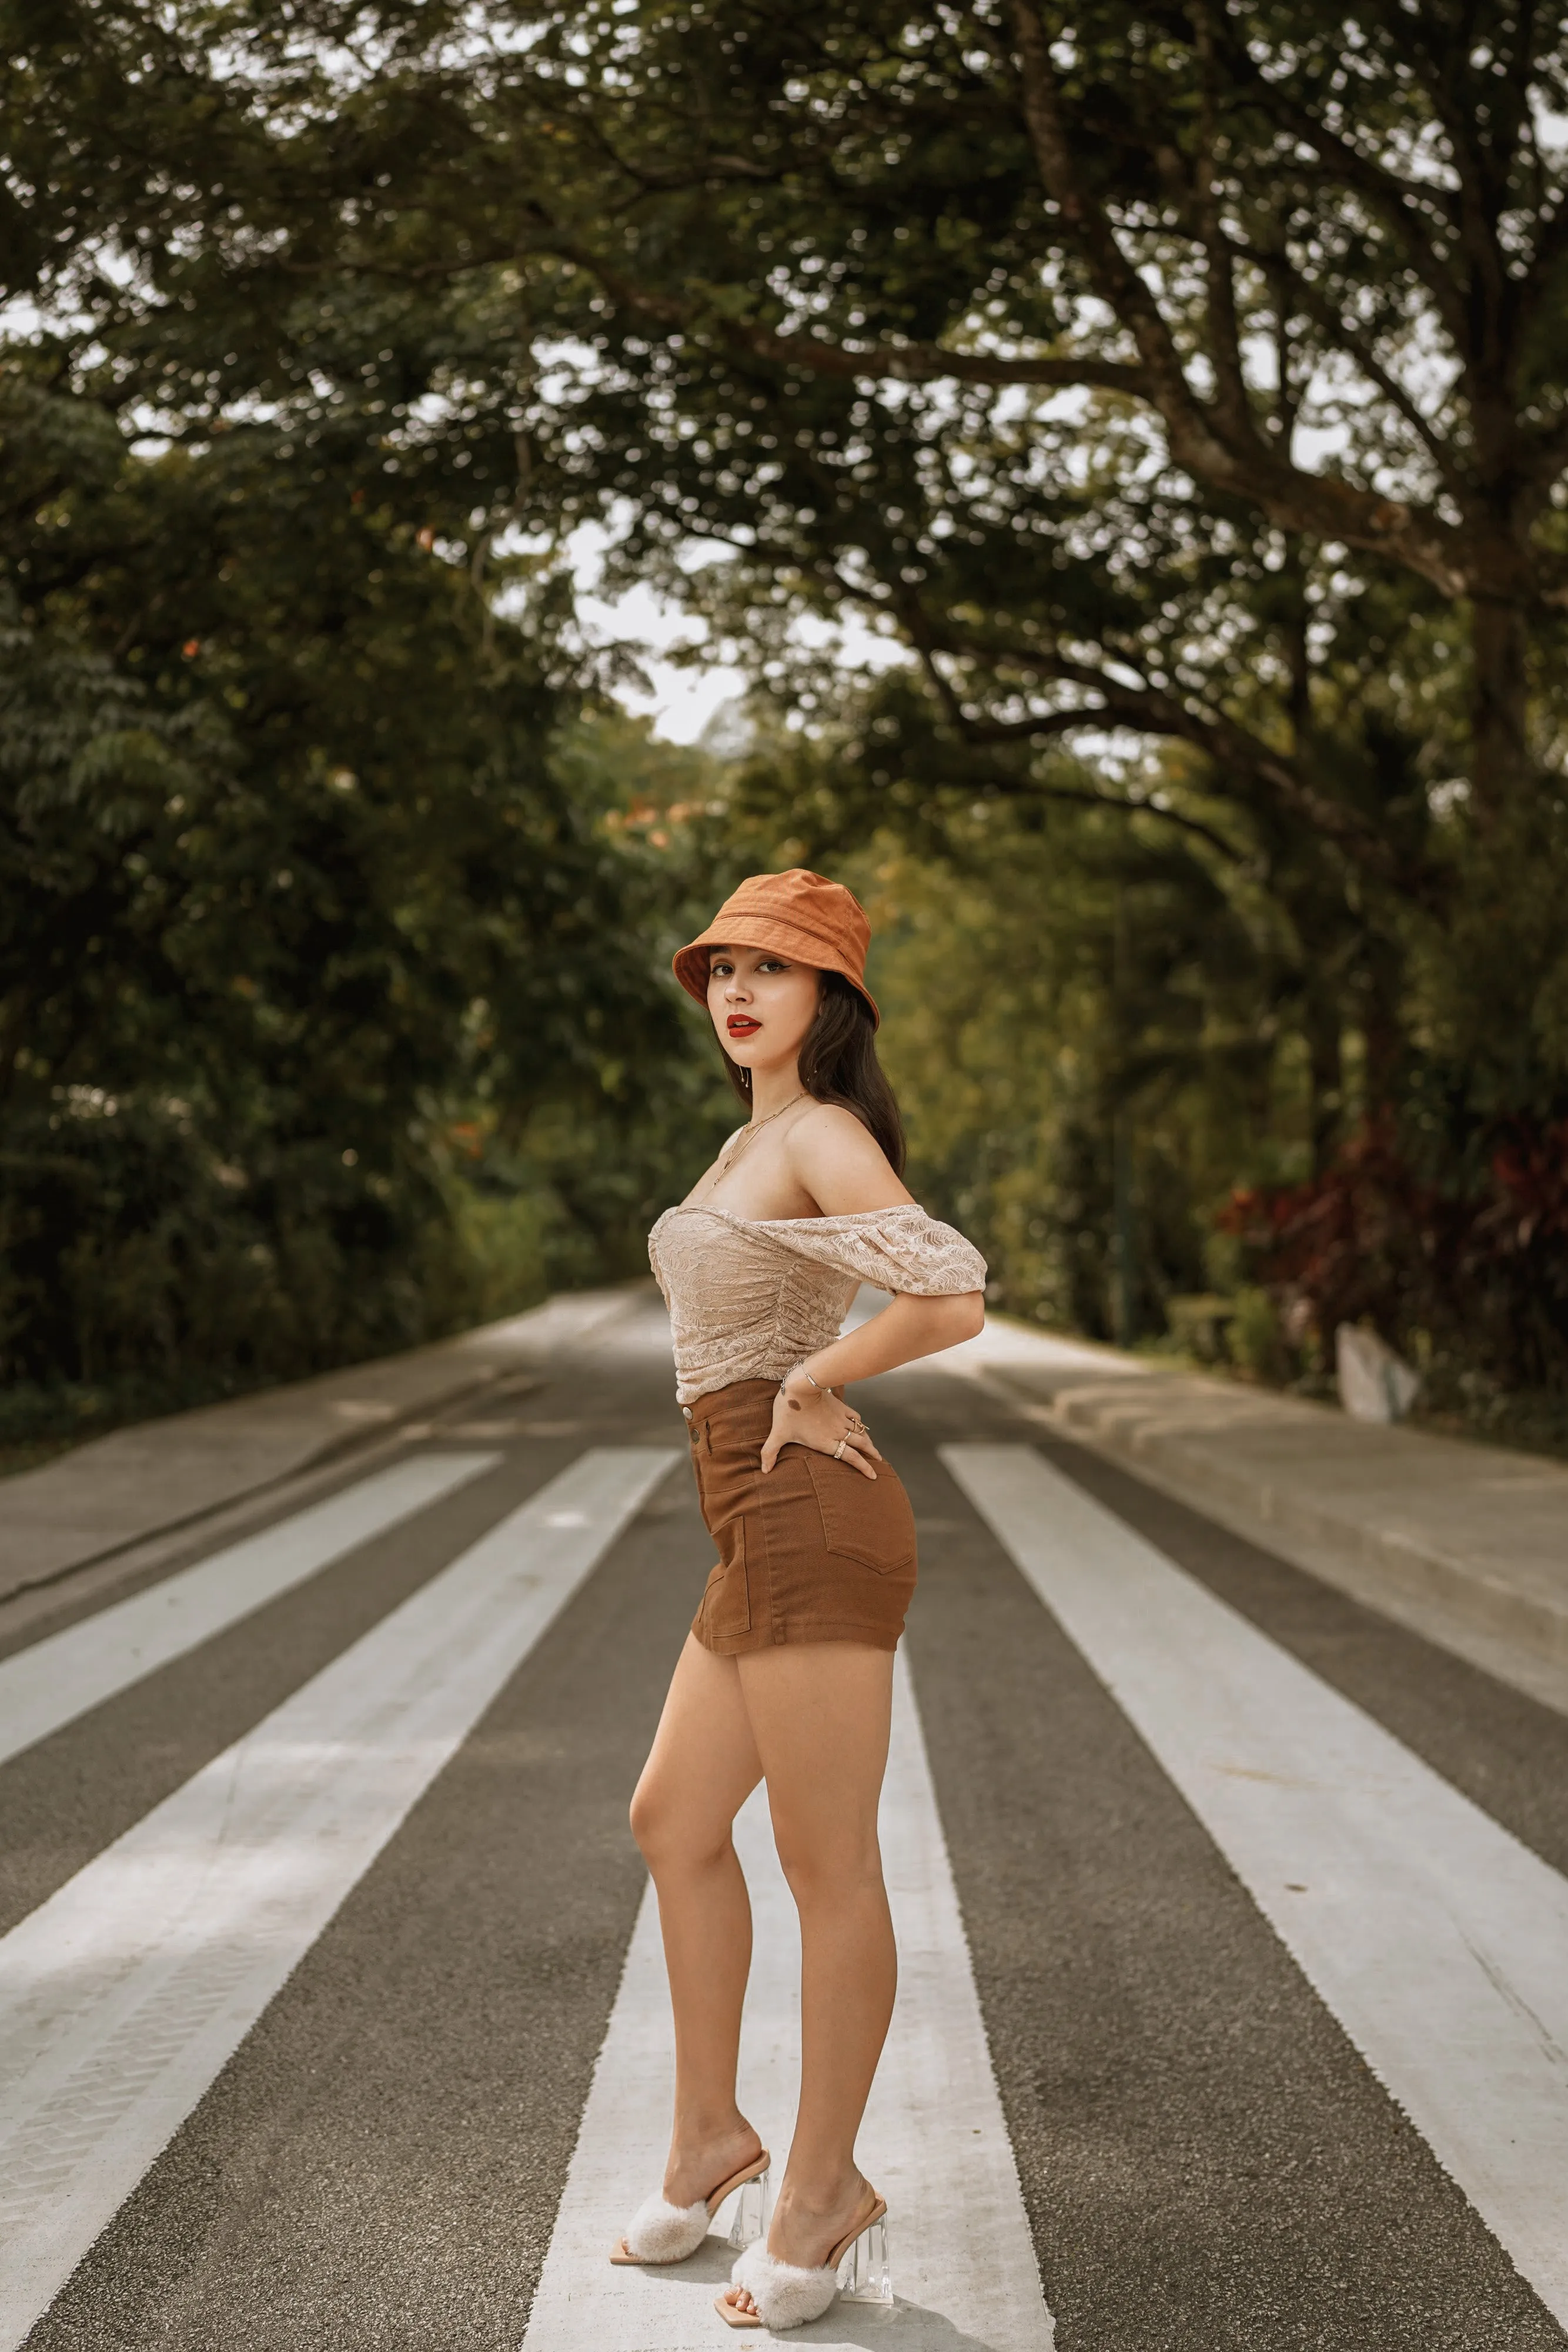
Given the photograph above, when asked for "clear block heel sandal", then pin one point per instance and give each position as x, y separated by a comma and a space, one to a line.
753, 2210
864, 2274
661, 2232
788, 2295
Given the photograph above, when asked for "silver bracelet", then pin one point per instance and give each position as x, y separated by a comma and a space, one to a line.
805, 1375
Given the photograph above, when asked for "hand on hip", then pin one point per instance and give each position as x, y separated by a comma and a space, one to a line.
804, 1414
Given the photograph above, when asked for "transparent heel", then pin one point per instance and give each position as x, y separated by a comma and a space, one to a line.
753, 2211
864, 2275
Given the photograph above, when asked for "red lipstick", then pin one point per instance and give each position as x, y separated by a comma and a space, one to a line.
741, 1024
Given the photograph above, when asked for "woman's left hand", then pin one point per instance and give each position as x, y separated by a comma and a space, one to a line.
804, 1414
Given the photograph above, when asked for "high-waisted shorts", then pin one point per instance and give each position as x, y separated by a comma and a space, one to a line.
814, 1551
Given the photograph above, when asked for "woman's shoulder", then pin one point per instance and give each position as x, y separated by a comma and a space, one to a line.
841, 1163
829, 1125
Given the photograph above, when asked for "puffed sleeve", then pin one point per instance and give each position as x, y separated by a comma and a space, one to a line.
893, 1249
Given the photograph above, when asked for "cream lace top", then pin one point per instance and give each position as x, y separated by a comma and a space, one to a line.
748, 1297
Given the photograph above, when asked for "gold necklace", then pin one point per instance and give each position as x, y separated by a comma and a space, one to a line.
755, 1127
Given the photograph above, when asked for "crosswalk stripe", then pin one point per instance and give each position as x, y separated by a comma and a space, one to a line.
56, 1680
933, 2140
122, 1996
1437, 1939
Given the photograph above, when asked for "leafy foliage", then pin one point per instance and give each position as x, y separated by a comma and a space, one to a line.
304, 872
1183, 403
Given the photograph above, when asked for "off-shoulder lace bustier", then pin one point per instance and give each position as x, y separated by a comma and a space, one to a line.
748, 1297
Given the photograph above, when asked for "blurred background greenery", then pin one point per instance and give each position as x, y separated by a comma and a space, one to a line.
1213, 825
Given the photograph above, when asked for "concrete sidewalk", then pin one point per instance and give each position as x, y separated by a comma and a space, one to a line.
1466, 1543
159, 1476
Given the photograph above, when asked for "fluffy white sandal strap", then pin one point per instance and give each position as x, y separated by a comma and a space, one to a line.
785, 2295
661, 2232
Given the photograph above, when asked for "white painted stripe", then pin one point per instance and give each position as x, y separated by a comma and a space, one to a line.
1437, 1940
56, 1680
123, 1995
934, 2141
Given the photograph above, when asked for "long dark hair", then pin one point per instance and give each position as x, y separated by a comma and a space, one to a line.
837, 1065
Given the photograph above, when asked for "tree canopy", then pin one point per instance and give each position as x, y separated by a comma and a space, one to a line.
1074, 320
1183, 399
306, 891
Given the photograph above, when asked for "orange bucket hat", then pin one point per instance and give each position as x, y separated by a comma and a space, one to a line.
803, 915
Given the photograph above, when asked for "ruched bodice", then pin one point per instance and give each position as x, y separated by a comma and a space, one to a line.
748, 1297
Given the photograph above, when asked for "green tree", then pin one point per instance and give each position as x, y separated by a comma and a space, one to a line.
1186, 393
307, 877
1148, 381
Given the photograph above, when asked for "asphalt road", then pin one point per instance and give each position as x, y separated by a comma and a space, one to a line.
1201, 2154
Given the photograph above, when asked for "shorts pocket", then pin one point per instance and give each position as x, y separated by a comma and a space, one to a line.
864, 1519
726, 1597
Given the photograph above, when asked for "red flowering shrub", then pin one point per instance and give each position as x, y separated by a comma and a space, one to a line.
1483, 1270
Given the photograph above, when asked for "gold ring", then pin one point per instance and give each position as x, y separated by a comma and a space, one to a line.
839, 1449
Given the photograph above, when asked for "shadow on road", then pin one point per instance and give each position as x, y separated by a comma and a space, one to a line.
903, 2328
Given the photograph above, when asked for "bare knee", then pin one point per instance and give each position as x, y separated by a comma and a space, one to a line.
650, 1819
671, 1836
831, 1873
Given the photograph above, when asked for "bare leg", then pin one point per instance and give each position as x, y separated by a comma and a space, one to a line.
703, 1765
820, 1714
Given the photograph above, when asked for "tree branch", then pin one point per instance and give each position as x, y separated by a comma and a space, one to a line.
1116, 279
1232, 404
1306, 299
1032, 789
1151, 711
901, 362
1399, 203
1201, 438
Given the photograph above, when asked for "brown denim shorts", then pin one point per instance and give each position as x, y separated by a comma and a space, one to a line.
814, 1551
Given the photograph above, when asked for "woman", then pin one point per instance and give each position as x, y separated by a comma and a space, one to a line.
786, 1674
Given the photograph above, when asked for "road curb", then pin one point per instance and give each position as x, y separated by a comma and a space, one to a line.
1421, 1568
333, 1446
154, 1480
1352, 1509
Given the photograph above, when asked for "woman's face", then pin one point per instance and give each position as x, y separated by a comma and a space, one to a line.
762, 1004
